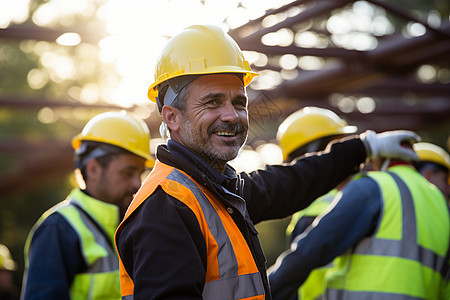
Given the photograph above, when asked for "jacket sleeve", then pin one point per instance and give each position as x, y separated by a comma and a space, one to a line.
163, 250
354, 216
279, 191
54, 259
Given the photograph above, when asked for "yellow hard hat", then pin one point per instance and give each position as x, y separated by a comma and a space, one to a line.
307, 125
6, 260
432, 153
118, 129
199, 49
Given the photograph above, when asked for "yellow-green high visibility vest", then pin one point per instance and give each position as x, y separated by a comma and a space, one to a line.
408, 255
94, 222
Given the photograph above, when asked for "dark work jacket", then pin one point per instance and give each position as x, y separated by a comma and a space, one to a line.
161, 244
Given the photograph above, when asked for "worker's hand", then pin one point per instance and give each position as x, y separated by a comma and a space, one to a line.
389, 144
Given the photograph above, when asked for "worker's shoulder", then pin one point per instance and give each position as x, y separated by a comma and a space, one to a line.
160, 202
363, 186
55, 228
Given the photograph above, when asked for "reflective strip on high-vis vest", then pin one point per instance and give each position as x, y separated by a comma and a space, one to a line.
232, 272
97, 251
101, 280
407, 258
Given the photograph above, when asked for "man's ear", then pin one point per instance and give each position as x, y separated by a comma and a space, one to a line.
93, 170
427, 173
172, 117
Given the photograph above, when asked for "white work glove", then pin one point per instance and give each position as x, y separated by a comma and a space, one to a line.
388, 144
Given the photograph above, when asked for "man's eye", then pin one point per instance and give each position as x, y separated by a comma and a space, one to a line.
127, 174
240, 104
213, 101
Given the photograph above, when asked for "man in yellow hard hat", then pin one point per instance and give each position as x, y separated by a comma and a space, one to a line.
307, 131
388, 232
70, 253
189, 232
434, 165
8, 288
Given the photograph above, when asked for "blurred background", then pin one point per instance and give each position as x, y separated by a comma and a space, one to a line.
379, 64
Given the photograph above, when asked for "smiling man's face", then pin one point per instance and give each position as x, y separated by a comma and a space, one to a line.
215, 121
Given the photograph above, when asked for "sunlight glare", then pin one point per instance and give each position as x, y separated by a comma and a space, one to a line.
416, 29
427, 74
139, 30
306, 39
311, 62
381, 26
247, 160
37, 79
46, 115
13, 11
90, 93
237, 18
283, 37
62, 12
365, 105
271, 153
69, 39
347, 104
338, 25
267, 80
288, 61
289, 74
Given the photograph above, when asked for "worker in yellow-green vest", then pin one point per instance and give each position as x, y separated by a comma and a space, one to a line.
391, 231
310, 130
70, 253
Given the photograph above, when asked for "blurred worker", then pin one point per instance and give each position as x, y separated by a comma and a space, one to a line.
189, 232
434, 165
305, 131
391, 231
70, 253
8, 288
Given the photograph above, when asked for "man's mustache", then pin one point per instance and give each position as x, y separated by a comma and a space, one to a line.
235, 127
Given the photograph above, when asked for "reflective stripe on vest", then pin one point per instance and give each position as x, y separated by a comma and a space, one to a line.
97, 251
231, 272
406, 257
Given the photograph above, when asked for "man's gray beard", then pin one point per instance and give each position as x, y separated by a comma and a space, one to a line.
211, 154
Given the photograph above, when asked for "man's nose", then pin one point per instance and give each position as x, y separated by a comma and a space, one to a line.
229, 113
136, 182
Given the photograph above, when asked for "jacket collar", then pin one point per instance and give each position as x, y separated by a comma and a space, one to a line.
228, 187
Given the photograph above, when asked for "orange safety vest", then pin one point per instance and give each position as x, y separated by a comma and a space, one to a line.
237, 276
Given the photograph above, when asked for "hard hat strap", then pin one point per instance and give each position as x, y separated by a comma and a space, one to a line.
98, 152
174, 86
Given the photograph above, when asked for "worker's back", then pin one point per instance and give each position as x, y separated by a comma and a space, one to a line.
407, 257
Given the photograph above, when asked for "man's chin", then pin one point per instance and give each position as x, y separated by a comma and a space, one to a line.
226, 154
